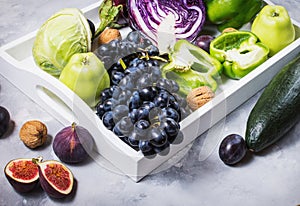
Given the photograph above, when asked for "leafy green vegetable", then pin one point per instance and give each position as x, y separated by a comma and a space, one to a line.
108, 15
65, 33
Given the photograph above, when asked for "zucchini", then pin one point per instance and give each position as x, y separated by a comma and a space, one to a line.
277, 110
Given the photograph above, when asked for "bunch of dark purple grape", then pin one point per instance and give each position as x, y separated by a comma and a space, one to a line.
141, 107
114, 50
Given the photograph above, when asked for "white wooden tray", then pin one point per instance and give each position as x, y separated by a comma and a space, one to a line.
20, 69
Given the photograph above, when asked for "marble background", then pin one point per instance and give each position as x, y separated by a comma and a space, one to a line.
199, 178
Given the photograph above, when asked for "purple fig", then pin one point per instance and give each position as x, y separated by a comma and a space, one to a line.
55, 178
22, 174
73, 144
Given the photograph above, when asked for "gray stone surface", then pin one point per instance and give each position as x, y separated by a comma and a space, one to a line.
199, 178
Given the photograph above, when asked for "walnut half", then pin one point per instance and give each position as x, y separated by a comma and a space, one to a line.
199, 96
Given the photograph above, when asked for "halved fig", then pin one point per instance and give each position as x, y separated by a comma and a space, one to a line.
55, 178
22, 174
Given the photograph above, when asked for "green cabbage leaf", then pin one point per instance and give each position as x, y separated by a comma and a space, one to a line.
65, 33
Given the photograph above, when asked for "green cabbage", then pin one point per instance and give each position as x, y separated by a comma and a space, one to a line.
65, 33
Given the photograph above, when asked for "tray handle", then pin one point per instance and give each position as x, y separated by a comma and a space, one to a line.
45, 89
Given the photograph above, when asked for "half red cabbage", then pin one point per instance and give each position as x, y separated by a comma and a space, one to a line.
146, 15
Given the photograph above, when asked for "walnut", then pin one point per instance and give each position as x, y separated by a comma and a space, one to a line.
229, 29
199, 96
108, 35
33, 133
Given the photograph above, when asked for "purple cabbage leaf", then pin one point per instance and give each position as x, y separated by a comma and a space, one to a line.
146, 16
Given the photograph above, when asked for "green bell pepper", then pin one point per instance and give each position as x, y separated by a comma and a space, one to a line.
192, 67
232, 13
239, 51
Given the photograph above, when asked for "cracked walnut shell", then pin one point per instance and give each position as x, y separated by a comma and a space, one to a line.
199, 96
33, 133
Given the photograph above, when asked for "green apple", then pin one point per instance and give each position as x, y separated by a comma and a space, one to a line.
86, 75
274, 28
